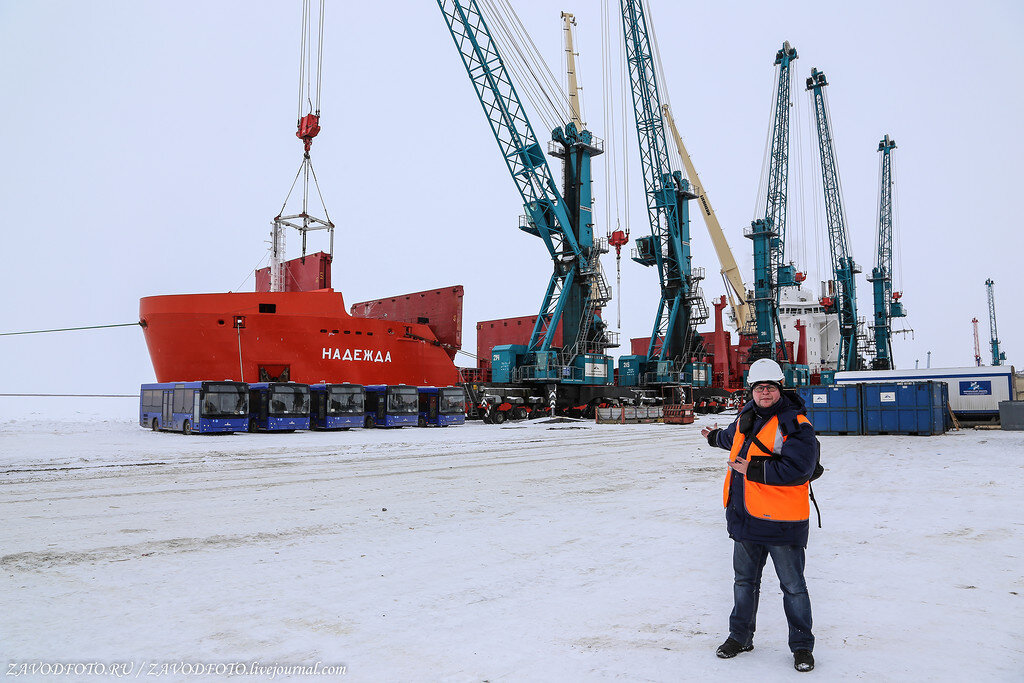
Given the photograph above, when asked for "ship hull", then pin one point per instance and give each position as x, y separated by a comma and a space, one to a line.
304, 337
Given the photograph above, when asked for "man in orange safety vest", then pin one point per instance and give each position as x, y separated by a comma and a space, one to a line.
772, 454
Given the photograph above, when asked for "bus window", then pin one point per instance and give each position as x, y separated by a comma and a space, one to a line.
403, 401
225, 400
345, 401
453, 401
289, 400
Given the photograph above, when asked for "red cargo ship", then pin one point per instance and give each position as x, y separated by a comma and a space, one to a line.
294, 327
304, 334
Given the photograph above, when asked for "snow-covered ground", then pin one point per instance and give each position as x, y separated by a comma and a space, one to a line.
526, 552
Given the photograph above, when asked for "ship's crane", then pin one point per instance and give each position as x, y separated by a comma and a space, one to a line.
887, 302
308, 127
997, 356
768, 234
977, 343
734, 287
844, 304
674, 341
577, 290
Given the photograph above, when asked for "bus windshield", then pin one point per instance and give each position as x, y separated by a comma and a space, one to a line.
403, 401
225, 400
453, 402
289, 401
345, 401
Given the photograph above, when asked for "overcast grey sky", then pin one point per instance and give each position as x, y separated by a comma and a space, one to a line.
146, 147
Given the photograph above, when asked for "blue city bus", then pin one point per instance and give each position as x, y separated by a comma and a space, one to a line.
194, 407
391, 406
278, 406
336, 406
440, 407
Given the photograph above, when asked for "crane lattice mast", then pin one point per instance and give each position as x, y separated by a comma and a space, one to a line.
576, 290
674, 340
843, 267
997, 356
887, 303
768, 234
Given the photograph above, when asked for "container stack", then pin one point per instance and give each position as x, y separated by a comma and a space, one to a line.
909, 408
834, 410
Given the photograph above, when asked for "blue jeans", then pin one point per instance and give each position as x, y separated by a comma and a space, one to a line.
748, 561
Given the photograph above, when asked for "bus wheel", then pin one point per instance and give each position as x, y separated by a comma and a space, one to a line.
423, 421
368, 422
186, 427
252, 426
155, 426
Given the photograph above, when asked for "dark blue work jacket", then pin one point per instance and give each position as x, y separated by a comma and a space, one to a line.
795, 463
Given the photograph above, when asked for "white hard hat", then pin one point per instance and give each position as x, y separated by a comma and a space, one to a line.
765, 370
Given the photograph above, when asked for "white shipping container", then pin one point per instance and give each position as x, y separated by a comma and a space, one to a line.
972, 390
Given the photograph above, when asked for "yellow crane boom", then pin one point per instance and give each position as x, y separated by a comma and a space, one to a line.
570, 62
735, 289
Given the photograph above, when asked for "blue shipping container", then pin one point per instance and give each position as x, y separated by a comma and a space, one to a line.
834, 410
916, 408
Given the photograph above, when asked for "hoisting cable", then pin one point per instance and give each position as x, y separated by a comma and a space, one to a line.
816, 192
839, 178
546, 75
302, 57
306, 94
524, 74
612, 154
525, 62
663, 96
319, 55
761, 201
514, 60
801, 205
896, 236
878, 217
71, 329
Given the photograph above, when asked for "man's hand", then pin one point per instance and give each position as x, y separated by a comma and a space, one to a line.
740, 466
707, 430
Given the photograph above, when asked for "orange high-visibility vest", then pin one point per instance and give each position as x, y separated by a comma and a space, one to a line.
764, 501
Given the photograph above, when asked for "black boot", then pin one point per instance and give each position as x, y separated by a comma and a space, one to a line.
803, 660
730, 648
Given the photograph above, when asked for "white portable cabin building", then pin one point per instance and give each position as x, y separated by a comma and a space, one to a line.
973, 391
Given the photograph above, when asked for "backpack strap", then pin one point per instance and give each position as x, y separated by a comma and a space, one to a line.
788, 422
810, 490
757, 442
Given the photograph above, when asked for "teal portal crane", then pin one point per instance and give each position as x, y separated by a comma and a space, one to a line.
887, 302
771, 273
577, 290
997, 356
674, 344
843, 268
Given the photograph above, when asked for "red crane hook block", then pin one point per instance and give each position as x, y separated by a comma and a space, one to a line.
309, 126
